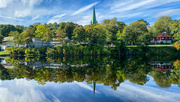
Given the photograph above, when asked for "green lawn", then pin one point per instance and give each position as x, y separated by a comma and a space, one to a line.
160, 45
4, 52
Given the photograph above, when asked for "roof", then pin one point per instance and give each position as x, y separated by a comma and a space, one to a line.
163, 70
163, 35
8, 38
4, 43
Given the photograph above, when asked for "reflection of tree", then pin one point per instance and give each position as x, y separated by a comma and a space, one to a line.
161, 79
103, 70
137, 71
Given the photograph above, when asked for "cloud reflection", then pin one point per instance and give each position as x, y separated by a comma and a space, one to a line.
21, 90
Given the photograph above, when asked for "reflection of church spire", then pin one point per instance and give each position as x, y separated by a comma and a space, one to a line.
94, 86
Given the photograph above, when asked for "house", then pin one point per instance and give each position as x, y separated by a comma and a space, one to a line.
4, 45
162, 67
162, 38
7, 42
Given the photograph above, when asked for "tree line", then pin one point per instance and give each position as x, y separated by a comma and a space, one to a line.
110, 31
100, 70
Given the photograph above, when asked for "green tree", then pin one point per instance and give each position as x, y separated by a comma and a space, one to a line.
17, 39
111, 27
43, 33
162, 25
1, 39
95, 34
27, 36
69, 27
134, 30
79, 34
60, 34
48, 36
175, 29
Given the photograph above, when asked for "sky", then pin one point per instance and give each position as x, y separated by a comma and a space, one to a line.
22, 90
27, 12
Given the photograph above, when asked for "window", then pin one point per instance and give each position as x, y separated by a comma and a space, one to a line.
169, 37
166, 37
162, 38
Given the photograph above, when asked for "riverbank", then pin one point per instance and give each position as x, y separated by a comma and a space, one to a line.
91, 51
4, 53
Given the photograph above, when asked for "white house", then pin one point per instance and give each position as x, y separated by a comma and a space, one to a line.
7, 42
4, 45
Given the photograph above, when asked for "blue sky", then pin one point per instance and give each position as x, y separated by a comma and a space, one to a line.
26, 12
22, 90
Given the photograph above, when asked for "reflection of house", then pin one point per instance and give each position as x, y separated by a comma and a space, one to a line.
162, 38
163, 67
6, 64
38, 65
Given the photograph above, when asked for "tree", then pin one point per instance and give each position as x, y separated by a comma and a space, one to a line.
48, 36
27, 36
95, 34
134, 30
144, 39
43, 33
69, 27
142, 20
60, 34
54, 27
111, 27
17, 39
175, 29
79, 34
1, 38
162, 25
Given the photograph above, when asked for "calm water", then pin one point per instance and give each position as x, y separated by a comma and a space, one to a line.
90, 79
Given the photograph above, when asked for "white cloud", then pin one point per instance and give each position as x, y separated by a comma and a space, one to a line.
84, 8
22, 13
36, 17
21, 90
167, 13
134, 5
4, 3
11, 18
31, 3
86, 86
56, 18
138, 93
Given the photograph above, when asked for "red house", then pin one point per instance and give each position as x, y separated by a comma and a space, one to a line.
162, 38
162, 67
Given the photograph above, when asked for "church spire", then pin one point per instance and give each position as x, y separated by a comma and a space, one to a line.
94, 16
94, 86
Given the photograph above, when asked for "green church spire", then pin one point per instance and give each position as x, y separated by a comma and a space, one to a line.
94, 86
94, 16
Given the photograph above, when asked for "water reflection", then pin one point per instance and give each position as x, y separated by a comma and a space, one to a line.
55, 78
102, 70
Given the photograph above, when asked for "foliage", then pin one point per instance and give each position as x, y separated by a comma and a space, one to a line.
175, 29
17, 39
95, 34
112, 26
162, 25
7, 28
1, 38
79, 34
27, 36
134, 31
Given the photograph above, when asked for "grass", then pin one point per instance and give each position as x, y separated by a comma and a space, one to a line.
160, 45
4, 52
